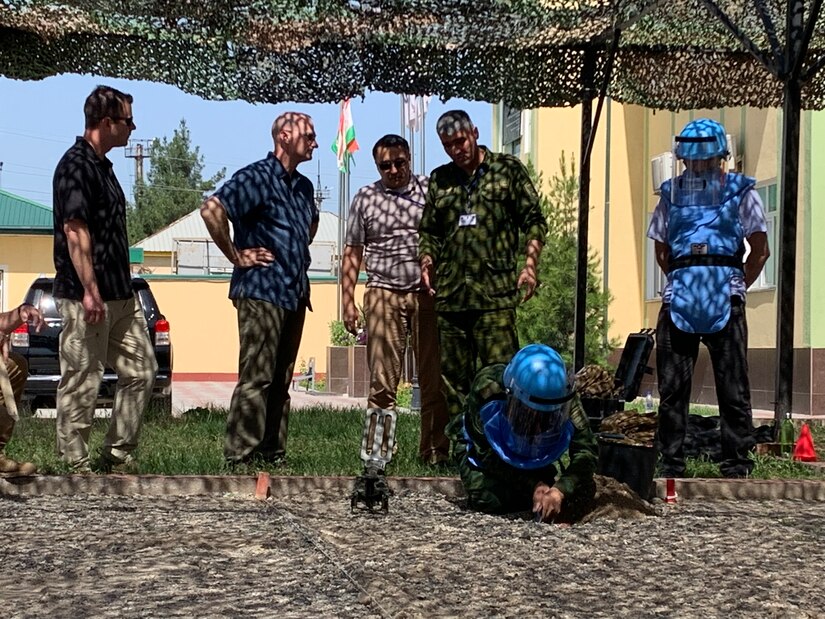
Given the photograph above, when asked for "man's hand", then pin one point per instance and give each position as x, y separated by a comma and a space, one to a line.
546, 501
29, 313
254, 257
527, 280
351, 318
94, 310
428, 274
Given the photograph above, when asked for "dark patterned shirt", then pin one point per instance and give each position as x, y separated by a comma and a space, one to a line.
85, 189
476, 264
271, 209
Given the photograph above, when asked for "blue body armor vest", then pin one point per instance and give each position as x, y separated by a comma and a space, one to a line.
706, 250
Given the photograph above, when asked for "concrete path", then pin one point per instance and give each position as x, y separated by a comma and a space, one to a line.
186, 395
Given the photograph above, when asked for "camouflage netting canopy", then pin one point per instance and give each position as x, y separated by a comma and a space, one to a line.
529, 53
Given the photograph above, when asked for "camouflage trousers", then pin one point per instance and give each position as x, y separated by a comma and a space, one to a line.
469, 341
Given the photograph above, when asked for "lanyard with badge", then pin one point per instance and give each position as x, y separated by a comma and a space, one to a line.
408, 196
468, 219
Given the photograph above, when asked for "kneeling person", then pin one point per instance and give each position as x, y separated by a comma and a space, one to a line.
518, 422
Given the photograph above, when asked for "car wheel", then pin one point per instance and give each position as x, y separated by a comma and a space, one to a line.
162, 405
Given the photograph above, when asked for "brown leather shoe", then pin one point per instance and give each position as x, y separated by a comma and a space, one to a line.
13, 467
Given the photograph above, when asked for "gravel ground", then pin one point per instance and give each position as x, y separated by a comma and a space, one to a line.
92, 556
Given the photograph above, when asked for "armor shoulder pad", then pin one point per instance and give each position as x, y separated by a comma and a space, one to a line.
577, 415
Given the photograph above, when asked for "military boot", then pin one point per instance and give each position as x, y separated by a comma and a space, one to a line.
13, 467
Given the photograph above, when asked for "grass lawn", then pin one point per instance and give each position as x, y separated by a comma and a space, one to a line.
322, 441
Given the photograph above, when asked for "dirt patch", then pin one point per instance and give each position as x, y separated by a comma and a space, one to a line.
310, 556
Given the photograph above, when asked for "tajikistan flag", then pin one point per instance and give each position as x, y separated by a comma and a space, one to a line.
345, 144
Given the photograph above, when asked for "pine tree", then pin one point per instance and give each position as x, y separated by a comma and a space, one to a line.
549, 317
174, 185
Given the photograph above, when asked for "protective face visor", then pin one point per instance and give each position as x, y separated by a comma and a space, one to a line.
535, 433
696, 181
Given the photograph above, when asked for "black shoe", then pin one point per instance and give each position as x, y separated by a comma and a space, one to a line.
105, 464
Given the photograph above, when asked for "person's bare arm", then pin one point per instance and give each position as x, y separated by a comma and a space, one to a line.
527, 278
662, 256
217, 223
350, 266
80, 251
759, 254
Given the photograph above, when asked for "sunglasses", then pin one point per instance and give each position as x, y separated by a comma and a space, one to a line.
129, 120
386, 166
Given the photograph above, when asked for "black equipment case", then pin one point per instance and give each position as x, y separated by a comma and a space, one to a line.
629, 374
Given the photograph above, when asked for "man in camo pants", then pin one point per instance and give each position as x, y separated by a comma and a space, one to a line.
469, 250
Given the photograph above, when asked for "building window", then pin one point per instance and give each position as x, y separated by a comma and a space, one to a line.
655, 278
511, 130
769, 194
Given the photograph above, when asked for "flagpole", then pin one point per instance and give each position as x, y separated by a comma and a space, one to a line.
423, 151
341, 208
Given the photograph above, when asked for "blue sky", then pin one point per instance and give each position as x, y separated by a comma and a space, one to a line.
39, 121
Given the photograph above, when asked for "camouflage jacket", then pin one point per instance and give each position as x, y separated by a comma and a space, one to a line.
475, 265
583, 450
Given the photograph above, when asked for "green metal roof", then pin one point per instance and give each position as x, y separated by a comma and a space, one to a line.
23, 215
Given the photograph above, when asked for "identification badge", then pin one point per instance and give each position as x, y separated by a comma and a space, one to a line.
466, 220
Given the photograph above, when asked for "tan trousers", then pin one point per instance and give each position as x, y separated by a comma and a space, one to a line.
120, 341
390, 316
18, 372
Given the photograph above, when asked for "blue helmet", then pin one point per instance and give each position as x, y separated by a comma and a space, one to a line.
702, 139
532, 428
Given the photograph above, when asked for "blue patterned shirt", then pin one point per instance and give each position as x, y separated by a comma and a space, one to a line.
271, 209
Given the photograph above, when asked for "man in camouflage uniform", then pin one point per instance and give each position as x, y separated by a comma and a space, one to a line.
469, 249
505, 469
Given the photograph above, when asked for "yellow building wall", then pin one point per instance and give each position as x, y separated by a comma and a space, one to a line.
156, 263
621, 154
204, 325
23, 257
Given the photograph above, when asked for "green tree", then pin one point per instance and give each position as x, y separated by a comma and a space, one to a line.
549, 317
174, 185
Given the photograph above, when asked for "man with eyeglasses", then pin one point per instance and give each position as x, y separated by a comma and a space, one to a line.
477, 209
383, 226
103, 323
274, 219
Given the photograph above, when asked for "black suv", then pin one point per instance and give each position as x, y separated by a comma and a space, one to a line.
40, 349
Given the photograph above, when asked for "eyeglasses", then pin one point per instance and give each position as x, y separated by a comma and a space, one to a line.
386, 166
130, 120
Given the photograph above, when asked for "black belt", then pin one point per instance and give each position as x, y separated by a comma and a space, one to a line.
715, 260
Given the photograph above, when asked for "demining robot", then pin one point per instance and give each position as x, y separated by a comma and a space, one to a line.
377, 443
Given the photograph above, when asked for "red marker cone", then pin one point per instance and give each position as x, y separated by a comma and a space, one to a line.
804, 451
262, 486
670, 491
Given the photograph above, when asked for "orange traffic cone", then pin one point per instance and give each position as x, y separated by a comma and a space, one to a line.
804, 448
